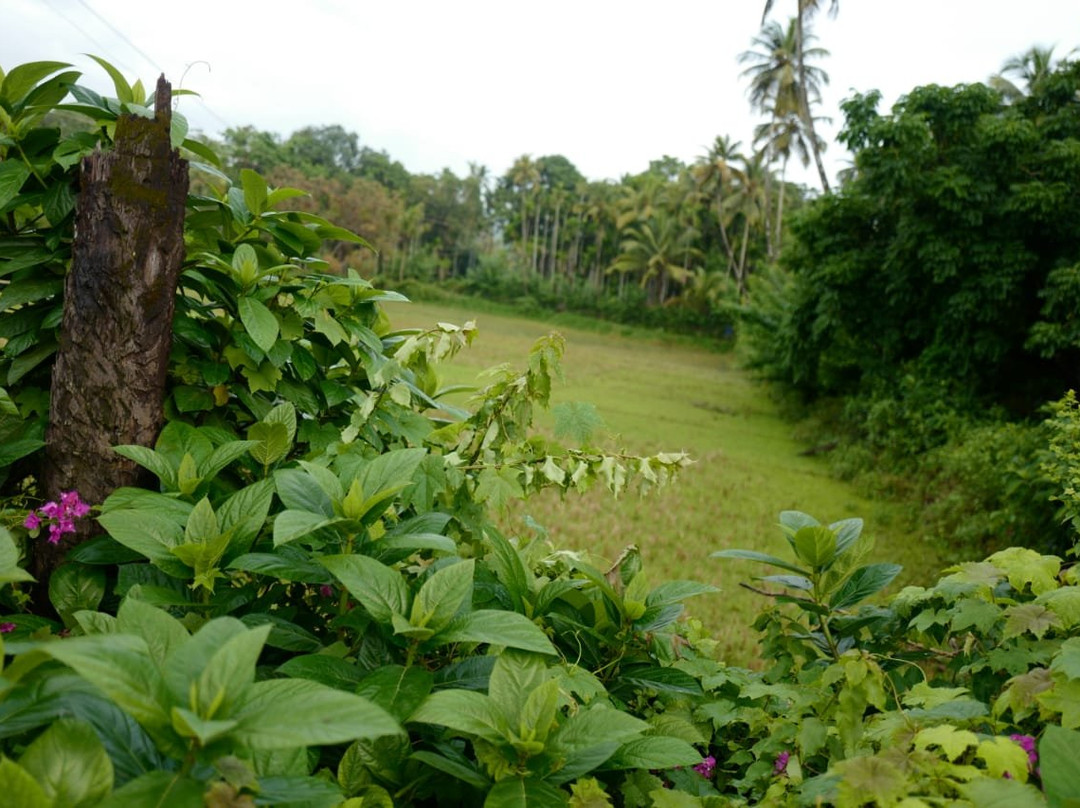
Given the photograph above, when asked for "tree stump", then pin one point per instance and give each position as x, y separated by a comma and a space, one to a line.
108, 381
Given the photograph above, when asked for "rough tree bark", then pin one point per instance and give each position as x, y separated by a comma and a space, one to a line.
108, 380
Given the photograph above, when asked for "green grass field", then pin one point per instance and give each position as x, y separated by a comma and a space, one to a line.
657, 396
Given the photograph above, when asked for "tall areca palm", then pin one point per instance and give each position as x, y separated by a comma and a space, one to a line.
780, 138
805, 9
748, 206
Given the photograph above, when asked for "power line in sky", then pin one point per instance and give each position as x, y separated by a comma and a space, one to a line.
119, 33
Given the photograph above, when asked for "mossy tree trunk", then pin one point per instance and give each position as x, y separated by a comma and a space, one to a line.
108, 381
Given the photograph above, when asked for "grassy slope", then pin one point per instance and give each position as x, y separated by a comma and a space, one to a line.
665, 397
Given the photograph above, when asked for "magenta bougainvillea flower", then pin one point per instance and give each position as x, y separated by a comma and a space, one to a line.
59, 516
7, 628
706, 767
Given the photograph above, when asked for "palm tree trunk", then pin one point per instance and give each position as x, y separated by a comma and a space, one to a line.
780, 207
740, 275
804, 104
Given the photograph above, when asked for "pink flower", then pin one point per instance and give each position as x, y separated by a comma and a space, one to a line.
706, 767
326, 591
7, 628
1027, 743
780, 767
60, 515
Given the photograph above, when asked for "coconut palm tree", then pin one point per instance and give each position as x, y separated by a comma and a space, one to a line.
805, 9
748, 206
1029, 67
713, 173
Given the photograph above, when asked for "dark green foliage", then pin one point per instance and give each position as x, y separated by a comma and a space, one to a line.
950, 253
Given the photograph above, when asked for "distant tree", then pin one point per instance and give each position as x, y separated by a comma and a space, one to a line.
1030, 67
804, 10
953, 253
248, 147
330, 148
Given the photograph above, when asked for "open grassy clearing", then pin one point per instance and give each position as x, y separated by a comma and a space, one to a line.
656, 396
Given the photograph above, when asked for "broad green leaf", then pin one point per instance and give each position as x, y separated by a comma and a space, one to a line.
453, 767
286, 713
1057, 764
229, 673
243, 515
162, 632
390, 471
259, 322
123, 89
815, 546
330, 671
70, 764
292, 525
598, 726
20, 788
751, 555
202, 523
1065, 603
516, 674
158, 789
152, 461
95, 622
507, 565
255, 190
862, 583
380, 590
847, 533
525, 793
284, 413
443, 595
10, 571
22, 79
675, 591
463, 711
660, 679
300, 490
222, 456
120, 665
653, 752
76, 586
13, 173
271, 442
307, 792
537, 715
303, 570
186, 661
397, 690
496, 627
188, 724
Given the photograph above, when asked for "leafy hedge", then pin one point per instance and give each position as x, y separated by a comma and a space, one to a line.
314, 607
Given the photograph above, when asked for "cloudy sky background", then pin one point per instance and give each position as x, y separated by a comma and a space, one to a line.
610, 84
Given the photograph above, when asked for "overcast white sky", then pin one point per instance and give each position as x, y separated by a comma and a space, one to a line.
610, 84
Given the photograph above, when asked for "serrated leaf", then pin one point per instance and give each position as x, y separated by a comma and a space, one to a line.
653, 752
1029, 617
578, 421
1025, 567
953, 742
524, 793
